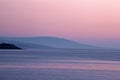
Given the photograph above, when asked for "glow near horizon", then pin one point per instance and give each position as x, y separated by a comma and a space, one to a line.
90, 21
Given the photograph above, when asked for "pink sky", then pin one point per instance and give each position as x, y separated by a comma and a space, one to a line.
89, 21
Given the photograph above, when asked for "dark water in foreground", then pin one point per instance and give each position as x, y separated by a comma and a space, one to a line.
60, 65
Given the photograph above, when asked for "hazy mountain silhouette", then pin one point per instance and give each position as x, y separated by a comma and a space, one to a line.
48, 42
22, 44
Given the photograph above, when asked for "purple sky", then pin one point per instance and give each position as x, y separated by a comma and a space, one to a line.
88, 21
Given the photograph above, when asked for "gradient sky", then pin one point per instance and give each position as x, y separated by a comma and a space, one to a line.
88, 21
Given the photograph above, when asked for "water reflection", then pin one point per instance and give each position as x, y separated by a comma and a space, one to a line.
60, 65
69, 64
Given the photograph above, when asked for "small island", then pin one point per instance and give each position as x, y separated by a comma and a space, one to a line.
8, 46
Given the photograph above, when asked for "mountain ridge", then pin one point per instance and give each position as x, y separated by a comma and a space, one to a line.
53, 42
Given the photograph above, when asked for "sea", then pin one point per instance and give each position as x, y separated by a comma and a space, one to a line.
63, 64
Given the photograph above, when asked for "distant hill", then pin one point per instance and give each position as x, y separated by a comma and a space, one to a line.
8, 46
49, 42
22, 44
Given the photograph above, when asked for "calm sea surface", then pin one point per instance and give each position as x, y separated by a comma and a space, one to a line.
60, 65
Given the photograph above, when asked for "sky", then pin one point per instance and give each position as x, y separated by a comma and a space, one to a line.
94, 22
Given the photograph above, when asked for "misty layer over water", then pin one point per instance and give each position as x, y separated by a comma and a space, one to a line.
60, 65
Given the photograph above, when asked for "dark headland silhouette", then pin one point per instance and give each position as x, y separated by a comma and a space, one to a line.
8, 46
